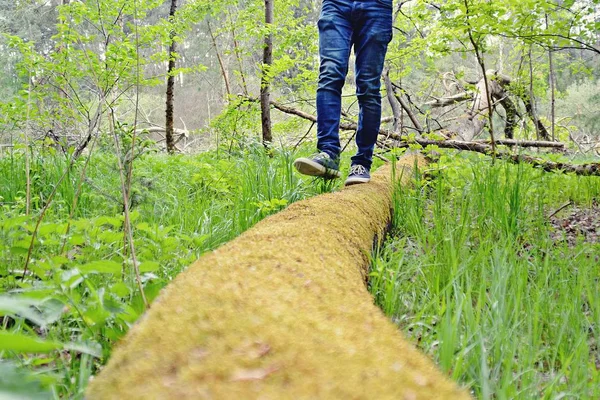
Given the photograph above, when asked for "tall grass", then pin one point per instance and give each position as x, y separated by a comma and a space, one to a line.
79, 293
473, 277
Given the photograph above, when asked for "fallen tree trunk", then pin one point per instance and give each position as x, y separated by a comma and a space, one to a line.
280, 312
525, 143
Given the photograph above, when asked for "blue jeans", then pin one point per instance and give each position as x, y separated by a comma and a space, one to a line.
366, 25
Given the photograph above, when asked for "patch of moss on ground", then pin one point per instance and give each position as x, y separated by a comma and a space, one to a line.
280, 312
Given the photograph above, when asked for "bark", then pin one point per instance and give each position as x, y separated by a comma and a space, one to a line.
552, 87
530, 99
540, 129
408, 111
92, 130
265, 95
448, 101
590, 169
171, 84
394, 103
525, 143
511, 116
276, 317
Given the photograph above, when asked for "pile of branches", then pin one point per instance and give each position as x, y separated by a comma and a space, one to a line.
463, 138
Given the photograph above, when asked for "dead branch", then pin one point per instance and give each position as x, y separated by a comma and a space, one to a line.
396, 136
394, 103
525, 143
407, 109
590, 169
447, 101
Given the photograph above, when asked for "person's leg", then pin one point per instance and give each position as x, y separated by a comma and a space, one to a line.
372, 33
335, 41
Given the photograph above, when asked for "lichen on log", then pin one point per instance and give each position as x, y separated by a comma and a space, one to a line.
280, 312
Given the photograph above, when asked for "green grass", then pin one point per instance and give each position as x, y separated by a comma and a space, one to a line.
471, 274
79, 295
473, 278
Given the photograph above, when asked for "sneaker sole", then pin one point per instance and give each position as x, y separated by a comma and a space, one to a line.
356, 181
306, 166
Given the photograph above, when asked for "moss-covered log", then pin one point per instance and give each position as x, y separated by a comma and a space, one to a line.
280, 312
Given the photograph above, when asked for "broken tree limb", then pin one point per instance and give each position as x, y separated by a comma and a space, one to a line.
281, 312
448, 101
346, 126
394, 103
407, 109
397, 136
525, 143
476, 146
590, 169
539, 126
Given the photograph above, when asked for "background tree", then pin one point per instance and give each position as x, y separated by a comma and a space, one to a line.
265, 96
170, 83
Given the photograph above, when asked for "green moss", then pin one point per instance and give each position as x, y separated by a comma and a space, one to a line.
280, 312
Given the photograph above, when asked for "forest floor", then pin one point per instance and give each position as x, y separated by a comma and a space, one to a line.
481, 272
575, 223
493, 271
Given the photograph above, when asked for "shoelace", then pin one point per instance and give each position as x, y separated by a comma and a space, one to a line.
358, 170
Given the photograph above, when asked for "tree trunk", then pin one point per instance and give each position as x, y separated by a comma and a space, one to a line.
511, 114
265, 95
286, 314
552, 88
170, 85
530, 103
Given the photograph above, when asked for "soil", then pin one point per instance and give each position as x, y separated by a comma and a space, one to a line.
575, 223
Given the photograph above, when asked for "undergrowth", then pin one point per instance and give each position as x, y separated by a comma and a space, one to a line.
60, 318
472, 276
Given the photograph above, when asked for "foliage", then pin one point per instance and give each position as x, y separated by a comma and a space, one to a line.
582, 103
61, 319
84, 73
473, 276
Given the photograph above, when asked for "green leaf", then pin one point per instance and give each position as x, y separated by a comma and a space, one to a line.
77, 240
26, 344
16, 384
149, 266
41, 312
101, 267
93, 349
110, 237
115, 222
120, 289
17, 250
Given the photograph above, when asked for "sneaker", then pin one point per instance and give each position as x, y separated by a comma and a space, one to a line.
358, 174
320, 164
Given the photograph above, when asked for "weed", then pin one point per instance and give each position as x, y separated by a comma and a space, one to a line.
473, 277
